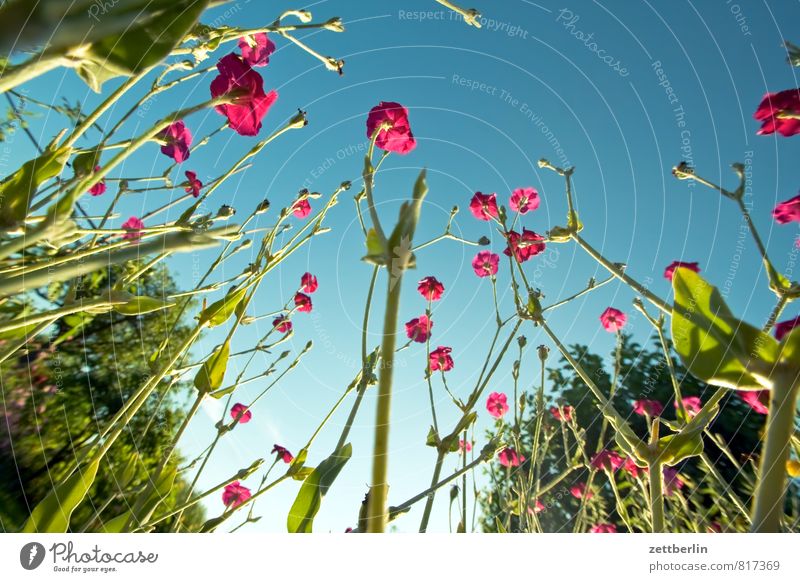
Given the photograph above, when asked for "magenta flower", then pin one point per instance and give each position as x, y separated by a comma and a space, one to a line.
134, 227
773, 106
245, 88
537, 507
632, 468
692, 405
194, 184
578, 491
419, 329
603, 528
508, 457
788, 210
300, 208
563, 414
256, 49
440, 359
241, 412
283, 453
784, 327
648, 407
525, 245
672, 481
609, 460
235, 494
613, 320
430, 288
670, 270
100, 188
758, 400
485, 264
484, 206
282, 324
464, 446
497, 404
308, 282
302, 302
177, 138
523, 200
395, 135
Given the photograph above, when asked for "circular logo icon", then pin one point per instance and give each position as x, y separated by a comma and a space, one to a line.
31, 555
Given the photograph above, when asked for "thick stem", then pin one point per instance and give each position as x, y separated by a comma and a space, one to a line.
376, 514
771, 489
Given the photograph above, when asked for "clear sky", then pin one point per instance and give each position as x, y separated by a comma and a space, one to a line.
654, 84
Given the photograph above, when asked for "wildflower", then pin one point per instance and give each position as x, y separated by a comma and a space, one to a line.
241, 412
784, 327
669, 272
788, 210
525, 245
282, 324
395, 135
523, 200
100, 187
604, 528
563, 414
485, 264
692, 405
440, 359
235, 494
632, 468
537, 507
134, 226
464, 446
248, 103
508, 457
672, 481
301, 208
613, 320
758, 400
256, 49
497, 404
283, 453
177, 138
194, 184
648, 407
302, 302
484, 206
430, 288
773, 107
419, 329
578, 491
609, 460
309, 283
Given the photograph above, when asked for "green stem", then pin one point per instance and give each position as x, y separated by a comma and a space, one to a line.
426, 514
771, 488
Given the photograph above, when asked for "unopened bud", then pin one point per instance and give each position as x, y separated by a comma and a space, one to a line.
225, 211
262, 207
543, 352
334, 25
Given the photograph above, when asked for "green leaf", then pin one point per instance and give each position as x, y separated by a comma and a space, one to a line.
218, 312
52, 514
677, 447
715, 346
140, 46
308, 501
433, 438
146, 503
212, 372
298, 462
376, 253
790, 347
17, 191
139, 305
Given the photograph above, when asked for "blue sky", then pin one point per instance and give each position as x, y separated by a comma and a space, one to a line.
485, 105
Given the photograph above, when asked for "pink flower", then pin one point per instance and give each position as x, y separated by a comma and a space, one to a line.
578, 491
603, 528
440, 359
525, 245
419, 329
563, 414
784, 327
670, 270
538, 507
241, 412
177, 139
632, 468
692, 404
609, 460
100, 188
464, 445
774, 104
282, 324
613, 320
134, 226
249, 104
256, 49
523, 200
302, 302
396, 134
430, 288
309, 283
235, 494
788, 210
300, 208
283, 453
672, 481
497, 404
508, 457
648, 407
194, 184
758, 400
484, 206
485, 264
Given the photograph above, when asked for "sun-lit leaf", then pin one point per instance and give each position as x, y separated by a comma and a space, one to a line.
52, 514
212, 372
313, 490
218, 312
17, 191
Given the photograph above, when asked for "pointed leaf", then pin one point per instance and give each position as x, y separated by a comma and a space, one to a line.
212, 372
308, 501
52, 514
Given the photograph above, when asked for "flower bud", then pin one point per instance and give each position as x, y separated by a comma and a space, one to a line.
334, 25
299, 120
484, 241
262, 207
522, 341
225, 212
543, 352
683, 171
346, 185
